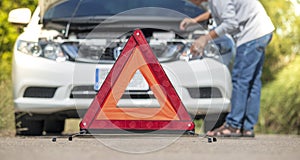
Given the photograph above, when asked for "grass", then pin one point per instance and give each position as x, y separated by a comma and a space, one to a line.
72, 126
199, 126
280, 102
6, 108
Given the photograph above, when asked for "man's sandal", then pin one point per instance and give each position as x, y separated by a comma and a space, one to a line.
225, 131
247, 133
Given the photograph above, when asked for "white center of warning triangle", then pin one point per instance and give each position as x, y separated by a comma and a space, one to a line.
138, 82
138, 94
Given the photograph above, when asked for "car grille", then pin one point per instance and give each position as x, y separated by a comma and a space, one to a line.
83, 92
205, 92
87, 92
39, 92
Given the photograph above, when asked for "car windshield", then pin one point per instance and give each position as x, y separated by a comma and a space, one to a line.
94, 8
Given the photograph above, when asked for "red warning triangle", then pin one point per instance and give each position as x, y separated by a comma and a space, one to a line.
104, 114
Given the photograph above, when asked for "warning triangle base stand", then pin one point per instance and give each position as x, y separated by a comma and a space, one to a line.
105, 116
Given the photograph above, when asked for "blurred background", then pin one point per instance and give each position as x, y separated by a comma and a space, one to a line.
280, 105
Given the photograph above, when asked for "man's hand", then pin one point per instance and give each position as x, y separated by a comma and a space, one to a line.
186, 22
199, 44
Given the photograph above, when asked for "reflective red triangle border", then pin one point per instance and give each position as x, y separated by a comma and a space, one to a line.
90, 121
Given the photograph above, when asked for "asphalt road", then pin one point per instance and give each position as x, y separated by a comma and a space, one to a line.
150, 147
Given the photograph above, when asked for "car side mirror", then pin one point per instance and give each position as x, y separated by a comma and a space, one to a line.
19, 16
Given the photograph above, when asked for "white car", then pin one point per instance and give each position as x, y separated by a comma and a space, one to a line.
68, 47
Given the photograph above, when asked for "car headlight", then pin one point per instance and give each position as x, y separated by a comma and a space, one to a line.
53, 51
211, 50
31, 48
50, 50
167, 52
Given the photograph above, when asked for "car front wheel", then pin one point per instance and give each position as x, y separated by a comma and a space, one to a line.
28, 125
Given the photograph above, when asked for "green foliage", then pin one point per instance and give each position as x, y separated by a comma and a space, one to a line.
6, 109
199, 126
8, 32
5, 66
285, 42
8, 35
6, 105
280, 105
280, 111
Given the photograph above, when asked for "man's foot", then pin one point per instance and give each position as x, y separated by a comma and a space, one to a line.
248, 133
225, 131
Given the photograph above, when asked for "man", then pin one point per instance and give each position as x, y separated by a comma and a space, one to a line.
251, 27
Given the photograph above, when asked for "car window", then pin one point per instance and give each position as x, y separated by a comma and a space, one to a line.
77, 8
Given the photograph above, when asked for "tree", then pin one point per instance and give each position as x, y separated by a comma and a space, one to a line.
285, 41
8, 32
8, 35
280, 105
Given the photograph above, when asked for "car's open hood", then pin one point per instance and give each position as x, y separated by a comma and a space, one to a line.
45, 4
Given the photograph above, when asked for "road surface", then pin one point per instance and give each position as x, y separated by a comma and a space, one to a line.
147, 147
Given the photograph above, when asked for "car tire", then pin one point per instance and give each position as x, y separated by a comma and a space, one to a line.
53, 126
212, 121
28, 125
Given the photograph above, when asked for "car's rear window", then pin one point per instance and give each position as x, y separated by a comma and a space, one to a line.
77, 8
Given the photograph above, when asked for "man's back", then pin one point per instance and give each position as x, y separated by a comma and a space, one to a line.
245, 20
